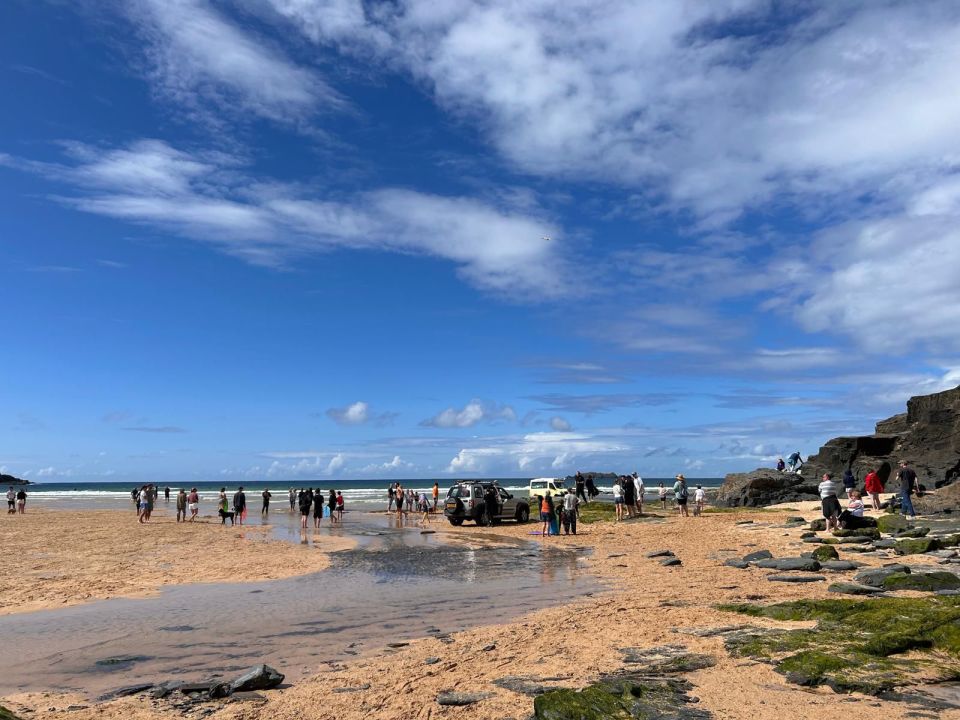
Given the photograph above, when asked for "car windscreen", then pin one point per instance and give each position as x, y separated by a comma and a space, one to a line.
538, 485
460, 491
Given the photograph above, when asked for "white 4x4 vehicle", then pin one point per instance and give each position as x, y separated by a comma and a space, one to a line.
467, 501
547, 486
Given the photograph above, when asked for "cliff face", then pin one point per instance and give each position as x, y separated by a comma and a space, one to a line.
927, 435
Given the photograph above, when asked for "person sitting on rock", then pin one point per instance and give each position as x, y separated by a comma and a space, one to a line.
852, 517
781, 465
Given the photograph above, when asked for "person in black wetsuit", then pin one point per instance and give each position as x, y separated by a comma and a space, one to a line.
591, 488
331, 503
265, 510
304, 500
580, 485
491, 501
239, 504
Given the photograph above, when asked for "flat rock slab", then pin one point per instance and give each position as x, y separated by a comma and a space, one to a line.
671, 562
802, 564
848, 588
259, 677
459, 699
530, 685
875, 576
739, 564
840, 565
125, 691
758, 555
353, 689
660, 554
713, 631
796, 578
666, 660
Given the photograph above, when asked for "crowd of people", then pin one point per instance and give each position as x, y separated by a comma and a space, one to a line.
908, 487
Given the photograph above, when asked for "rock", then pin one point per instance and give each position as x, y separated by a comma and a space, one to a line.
121, 661
739, 564
251, 697
220, 690
355, 688
767, 564
670, 562
852, 540
839, 565
259, 677
489, 648
818, 525
529, 684
459, 699
813, 540
870, 533
917, 532
890, 524
796, 519
758, 555
4, 713
431, 661
624, 697
848, 588
916, 546
163, 689
885, 544
796, 578
660, 554
926, 582
804, 564
808, 534
875, 576
125, 691
744, 522
928, 434
666, 659
825, 552
396, 645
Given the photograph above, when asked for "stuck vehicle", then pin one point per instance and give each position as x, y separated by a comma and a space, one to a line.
466, 501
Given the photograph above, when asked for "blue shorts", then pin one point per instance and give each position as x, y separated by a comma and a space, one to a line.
618, 501
545, 516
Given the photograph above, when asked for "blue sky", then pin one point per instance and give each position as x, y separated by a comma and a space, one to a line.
302, 239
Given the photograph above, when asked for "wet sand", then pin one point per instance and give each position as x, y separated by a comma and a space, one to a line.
55, 558
647, 604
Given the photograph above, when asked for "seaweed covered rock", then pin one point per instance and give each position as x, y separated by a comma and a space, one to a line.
916, 546
867, 641
826, 552
891, 524
925, 582
625, 697
866, 532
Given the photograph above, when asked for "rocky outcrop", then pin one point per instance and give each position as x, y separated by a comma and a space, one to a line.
927, 435
765, 487
7, 480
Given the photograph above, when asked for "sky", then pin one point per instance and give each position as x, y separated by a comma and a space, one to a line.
298, 239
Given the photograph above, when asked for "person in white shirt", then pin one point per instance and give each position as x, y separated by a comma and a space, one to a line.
570, 503
663, 497
828, 501
638, 491
618, 499
11, 501
698, 497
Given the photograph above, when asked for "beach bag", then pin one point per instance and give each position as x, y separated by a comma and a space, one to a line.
326, 511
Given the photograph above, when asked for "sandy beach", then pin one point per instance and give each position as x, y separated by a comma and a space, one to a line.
645, 605
60, 558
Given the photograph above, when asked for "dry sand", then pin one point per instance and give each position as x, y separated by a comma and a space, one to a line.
53, 559
645, 606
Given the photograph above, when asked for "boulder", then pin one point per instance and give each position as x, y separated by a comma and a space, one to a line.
818, 525
928, 435
660, 554
865, 532
765, 487
916, 546
826, 552
875, 576
926, 582
917, 532
259, 677
890, 524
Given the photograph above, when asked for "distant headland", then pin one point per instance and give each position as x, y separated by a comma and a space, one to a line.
11, 480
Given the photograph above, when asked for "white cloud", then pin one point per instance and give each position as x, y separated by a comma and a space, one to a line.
336, 463
559, 424
472, 413
553, 450
397, 463
209, 197
359, 413
198, 58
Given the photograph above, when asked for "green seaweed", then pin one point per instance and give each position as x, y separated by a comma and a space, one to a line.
826, 552
891, 523
6, 714
620, 699
857, 645
916, 546
926, 582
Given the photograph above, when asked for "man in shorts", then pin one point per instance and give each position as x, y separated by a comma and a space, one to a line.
829, 503
680, 494
239, 504
11, 501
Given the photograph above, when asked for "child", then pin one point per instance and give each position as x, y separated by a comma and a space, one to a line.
663, 497
339, 506
698, 497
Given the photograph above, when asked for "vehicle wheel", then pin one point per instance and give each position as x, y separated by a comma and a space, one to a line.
456, 522
523, 514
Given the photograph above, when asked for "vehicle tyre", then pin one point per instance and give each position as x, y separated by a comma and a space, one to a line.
523, 514
456, 522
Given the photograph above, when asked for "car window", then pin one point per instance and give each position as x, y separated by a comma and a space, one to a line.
461, 491
503, 493
538, 485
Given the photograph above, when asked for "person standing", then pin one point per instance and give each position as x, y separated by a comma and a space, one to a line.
580, 485
305, 499
570, 507
331, 504
629, 495
849, 482
391, 488
546, 510
239, 504
193, 503
638, 491
618, 498
436, 494
166, 494
872, 484
340, 504
21, 501
398, 499
182, 505
681, 494
592, 491
293, 499
663, 497
144, 504
317, 508
490, 503
698, 498
829, 503
265, 510
908, 486
795, 462
11, 501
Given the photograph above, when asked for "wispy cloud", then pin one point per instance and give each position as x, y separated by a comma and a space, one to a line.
590, 404
207, 196
359, 413
163, 429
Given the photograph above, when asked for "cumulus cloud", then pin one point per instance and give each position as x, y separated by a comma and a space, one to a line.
359, 413
560, 424
397, 463
208, 196
472, 413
